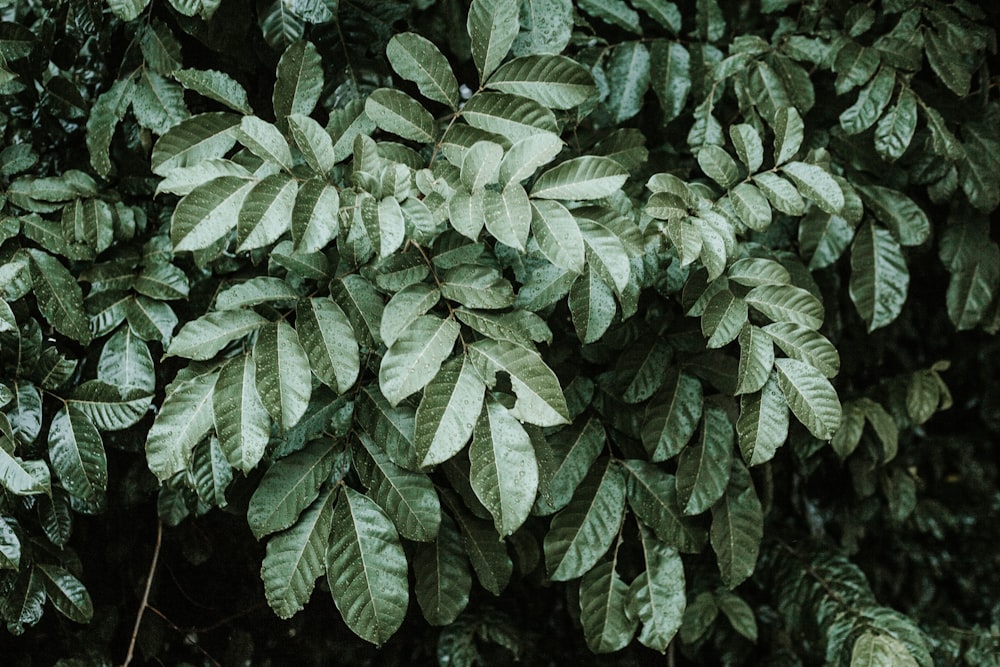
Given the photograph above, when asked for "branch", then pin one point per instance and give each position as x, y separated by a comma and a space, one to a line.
145, 595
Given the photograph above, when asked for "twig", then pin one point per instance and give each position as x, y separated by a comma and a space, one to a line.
145, 595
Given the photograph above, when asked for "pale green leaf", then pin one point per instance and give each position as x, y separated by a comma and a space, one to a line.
182, 180
558, 235
416, 59
126, 10
201, 137
510, 116
816, 184
703, 469
908, 223
314, 217
442, 576
447, 414
299, 80
211, 473
762, 426
894, 132
416, 356
810, 396
396, 112
748, 145
366, 568
184, 418
255, 291
391, 427
591, 306
737, 531
527, 155
879, 276
362, 305
583, 531
508, 215
77, 454
540, 398
805, 345
871, 103
755, 271
241, 421
408, 498
328, 339
606, 253
787, 303
296, 558
492, 25
751, 206
125, 361
718, 165
477, 286
481, 164
202, 338
313, 142
546, 27
110, 407
628, 75
215, 85
404, 307
788, 134
756, 359
874, 649
164, 282
20, 477
208, 213
282, 369
158, 103
657, 597
782, 194
265, 140
723, 319
672, 415
615, 12
670, 68
564, 461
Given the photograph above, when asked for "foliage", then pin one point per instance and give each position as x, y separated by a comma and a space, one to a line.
644, 311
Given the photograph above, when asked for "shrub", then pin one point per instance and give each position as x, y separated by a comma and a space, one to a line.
638, 312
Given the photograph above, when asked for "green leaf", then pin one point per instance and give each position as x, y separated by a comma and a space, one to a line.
751, 206
314, 220
481, 164
391, 427
408, 498
299, 80
894, 132
199, 138
780, 193
657, 597
662, 11
313, 142
756, 359
591, 305
737, 530
362, 304
77, 454
558, 235
739, 613
477, 286
788, 134
10, 545
110, 407
59, 296
546, 27
810, 396
89, 222
265, 140
22, 478
266, 212
805, 345
396, 112
628, 74
241, 421
504, 472
289, 486
583, 531
974, 283
445, 419
703, 469
164, 282
328, 339
510, 116
416, 356
718, 165
540, 399
762, 426
946, 62
527, 155
670, 67
66, 593
202, 338
149, 319
874, 649
211, 473
652, 495
366, 568
217, 86
282, 365
296, 558
487, 554
404, 307
208, 213
816, 184
185, 417
158, 103
442, 576
603, 596
615, 12
564, 461
756, 271
255, 291
508, 215
871, 102
492, 26
606, 253
748, 145
724, 317
787, 303
416, 59
879, 276
126, 10
672, 415
908, 223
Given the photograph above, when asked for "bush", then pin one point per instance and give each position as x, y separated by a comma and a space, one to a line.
571, 329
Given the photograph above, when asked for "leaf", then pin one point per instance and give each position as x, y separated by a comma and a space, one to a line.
583, 531
447, 414
944, 59
615, 12
871, 102
670, 68
718, 165
657, 597
816, 184
894, 132
158, 103
874, 649
126, 10
751, 206
211, 473
328, 339
628, 74
591, 305
528, 154
723, 319
487, 554
737, 531
23, 478
202, 338
546, 27
492, 26
558, 234
416, 59
739, 613
652, 495
756, 359
215, 85
443, 579
314, 217
780, 193
366, 568
748, 145
908, 223
149, 319
66, 593
408, 498
266, 212
396, 112
185, 417
58, 296
508, 215
265, 140
603, 596
194, 140
208, 213
762, 426
810, 396
787, 303
565, 461
788, 134
281, 366
540, 399
296, 558
703, 469
241, 422
362, 305
313, 141
510, 116
289, 486
391, 427
77, 454
299, 80
416, 356
879, 276
672, 415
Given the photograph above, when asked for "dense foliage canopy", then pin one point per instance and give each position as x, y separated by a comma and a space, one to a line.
566, 332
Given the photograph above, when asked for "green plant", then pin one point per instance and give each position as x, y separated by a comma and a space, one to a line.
594, 300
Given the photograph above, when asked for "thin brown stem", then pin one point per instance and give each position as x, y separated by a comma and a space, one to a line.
145, 594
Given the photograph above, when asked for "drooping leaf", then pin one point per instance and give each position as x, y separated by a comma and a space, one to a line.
657, 597
652, 496
208, 213
77, 454
894, 132
672, 415
810, 396
185, 417
66, 593
313, 142
540, 398
670, 75
328, 339
592, 306
788, 134
59, 296
566, 459
366, 568
787, 303
737, 529
110, 407
416, 59
816, 184
703, 468
443, 579
217, 86
488, 555
241, 422
628, 73
202, 338
583, 531
603, 596
396, 112
296, 558
299, 80
265, 140
211, 473
762, 426
416, 356
900, 214
282, 373
447, 414
879, 276
805, 345
871, 103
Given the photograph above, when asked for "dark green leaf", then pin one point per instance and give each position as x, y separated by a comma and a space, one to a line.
703, 468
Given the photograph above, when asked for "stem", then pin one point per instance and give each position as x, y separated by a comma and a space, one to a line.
145, 595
